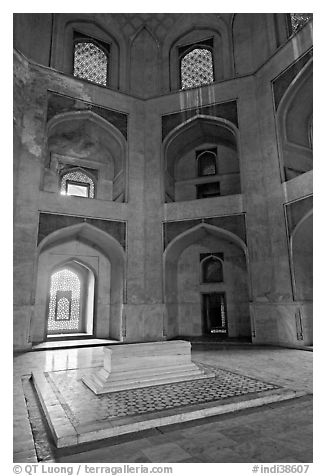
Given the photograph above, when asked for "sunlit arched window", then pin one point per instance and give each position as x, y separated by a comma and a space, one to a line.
64, 302
91, 62
78, 183
212, 270
196, 68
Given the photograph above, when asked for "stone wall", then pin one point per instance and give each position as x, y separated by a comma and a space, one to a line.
263, 250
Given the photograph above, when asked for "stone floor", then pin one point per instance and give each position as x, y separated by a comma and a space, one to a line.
275, 432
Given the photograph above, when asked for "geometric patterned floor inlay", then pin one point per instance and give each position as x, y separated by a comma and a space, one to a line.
67, 385
76, 415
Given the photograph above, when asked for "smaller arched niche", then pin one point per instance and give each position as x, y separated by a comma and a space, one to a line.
92, 151
201, 160
211, 270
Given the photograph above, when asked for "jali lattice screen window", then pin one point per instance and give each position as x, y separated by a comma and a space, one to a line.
90, 62
197, 68
64, 303
298, 20
78, 183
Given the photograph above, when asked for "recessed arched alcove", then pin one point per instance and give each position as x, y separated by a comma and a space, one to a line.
144, 64
294, 124
83, 139
185, 289
183, 149
99, 261
260, 29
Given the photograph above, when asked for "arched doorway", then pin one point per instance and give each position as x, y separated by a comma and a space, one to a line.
90, 264
206, 284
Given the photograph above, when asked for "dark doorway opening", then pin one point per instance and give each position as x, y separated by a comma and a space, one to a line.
214, 314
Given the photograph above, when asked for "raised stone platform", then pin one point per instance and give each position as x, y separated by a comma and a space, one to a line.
131, 366
77, 415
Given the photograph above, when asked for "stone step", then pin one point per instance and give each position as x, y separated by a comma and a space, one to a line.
102, 382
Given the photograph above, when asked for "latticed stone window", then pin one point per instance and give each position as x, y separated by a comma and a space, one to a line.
197, 68
206, 163
64, 303
77, 183
91, 62
298, 20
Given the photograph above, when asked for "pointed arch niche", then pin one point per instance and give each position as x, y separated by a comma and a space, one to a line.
184, 287
97, 261
183, 149
144, 64
294, 125
85, 140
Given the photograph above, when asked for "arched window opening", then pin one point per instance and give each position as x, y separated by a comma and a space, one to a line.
78, 183
91, 60
212, 270
206, 163
196, 67
64, 313
297, 20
